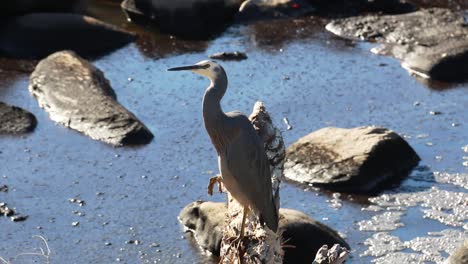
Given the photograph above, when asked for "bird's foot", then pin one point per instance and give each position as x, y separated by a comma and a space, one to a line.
213, 181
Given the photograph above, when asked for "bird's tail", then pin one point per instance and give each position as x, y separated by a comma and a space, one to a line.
270, 217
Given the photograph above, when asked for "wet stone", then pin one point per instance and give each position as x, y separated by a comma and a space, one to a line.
5, 210
18, 218
361, 160
77, 95
14, 120
439, 51
236, 56
206, 220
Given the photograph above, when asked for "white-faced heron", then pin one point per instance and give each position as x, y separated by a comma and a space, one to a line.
242, 161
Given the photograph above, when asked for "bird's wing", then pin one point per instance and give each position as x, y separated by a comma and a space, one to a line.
248, 164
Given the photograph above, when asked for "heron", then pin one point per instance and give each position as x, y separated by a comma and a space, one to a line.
242, 161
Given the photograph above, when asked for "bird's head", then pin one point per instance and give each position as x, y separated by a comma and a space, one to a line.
206, 68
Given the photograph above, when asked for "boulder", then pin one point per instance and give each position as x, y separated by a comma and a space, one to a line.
460, 256
431, 43
21, 7
14, 120
192, 19
77, 95
303, 236
357, 160
35, 36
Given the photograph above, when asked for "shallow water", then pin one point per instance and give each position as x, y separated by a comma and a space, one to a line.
297, 68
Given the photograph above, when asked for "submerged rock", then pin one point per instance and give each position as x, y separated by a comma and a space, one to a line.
14, 120
431, 43
267, 9
360, 159
236, 55
194, 19
302, 235
77, 95
37, 35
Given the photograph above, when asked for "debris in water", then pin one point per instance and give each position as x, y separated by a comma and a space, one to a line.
3, 188
18, 218
286, 121
77, 201
236, 55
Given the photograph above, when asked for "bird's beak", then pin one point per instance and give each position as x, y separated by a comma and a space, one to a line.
187, 68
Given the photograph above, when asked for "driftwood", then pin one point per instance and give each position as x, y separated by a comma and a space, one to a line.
334, 255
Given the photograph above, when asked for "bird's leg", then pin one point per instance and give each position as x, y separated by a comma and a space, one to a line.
213, 181
244, 217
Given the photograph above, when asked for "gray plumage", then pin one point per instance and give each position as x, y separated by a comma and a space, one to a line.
242, 160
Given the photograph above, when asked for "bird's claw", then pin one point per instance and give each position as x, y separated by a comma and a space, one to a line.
213, 181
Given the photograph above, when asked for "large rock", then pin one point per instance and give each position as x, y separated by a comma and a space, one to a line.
21, 7
193, 19
431, 43
351, 160
77, 95
14, 120
302, 235
35, 36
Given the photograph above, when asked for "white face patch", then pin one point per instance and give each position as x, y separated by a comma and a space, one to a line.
211, 69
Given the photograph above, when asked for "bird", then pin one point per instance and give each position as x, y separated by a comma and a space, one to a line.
242, 161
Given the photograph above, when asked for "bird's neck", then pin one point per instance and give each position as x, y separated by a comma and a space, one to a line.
213, 115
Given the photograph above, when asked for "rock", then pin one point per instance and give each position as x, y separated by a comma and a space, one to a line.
303, 235
354, 160
346, 8
268, 9
451, 4
21, 7
460, 256
431, 43
236, 55
192, 19
35, 36
77, 95
14, 120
